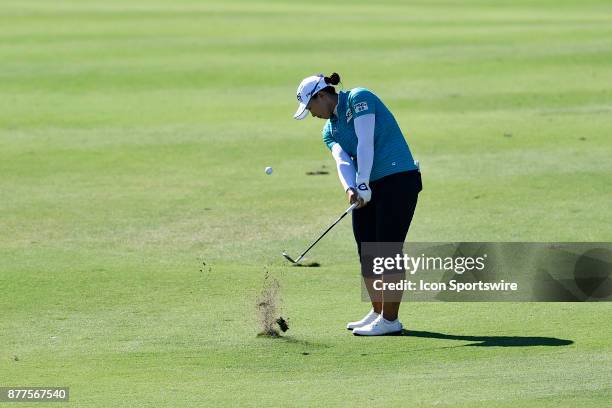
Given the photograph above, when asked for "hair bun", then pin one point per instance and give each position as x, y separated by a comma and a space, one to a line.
333, 79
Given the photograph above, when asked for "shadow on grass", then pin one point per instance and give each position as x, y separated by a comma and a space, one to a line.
492, 341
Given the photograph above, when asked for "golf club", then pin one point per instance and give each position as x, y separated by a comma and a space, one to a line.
348, 210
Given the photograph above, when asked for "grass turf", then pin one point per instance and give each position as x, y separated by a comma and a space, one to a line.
133, 139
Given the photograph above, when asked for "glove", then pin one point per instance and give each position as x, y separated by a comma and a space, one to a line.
363, 189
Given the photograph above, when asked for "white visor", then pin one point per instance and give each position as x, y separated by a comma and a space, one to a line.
307, 88
301, 112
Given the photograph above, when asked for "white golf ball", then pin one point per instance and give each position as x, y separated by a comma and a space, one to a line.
268, 170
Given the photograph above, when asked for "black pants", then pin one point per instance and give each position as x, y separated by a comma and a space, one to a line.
387, 217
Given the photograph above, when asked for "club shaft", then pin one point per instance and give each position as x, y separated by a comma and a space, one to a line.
326, 231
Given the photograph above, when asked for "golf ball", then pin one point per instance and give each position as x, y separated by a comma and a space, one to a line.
268, 170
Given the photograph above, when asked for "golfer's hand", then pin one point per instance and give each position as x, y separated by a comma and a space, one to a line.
354, 197
363, 189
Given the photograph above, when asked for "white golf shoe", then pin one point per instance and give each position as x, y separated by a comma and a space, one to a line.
369, 318
379, 327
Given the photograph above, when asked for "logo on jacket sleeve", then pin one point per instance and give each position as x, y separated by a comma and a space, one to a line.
361, 107
349, 115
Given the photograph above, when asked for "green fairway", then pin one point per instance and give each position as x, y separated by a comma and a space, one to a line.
137, 223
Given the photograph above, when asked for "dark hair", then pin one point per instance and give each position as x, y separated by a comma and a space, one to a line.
333, 79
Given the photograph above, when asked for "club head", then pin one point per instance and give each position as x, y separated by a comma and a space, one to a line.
287, 257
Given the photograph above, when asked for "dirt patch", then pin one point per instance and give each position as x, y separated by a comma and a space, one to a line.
268, 308
308, 264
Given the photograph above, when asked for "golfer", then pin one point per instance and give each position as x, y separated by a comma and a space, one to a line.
376, 170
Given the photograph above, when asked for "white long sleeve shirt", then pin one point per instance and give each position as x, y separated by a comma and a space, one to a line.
349, 177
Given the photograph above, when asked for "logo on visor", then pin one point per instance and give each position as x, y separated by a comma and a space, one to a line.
299, 97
